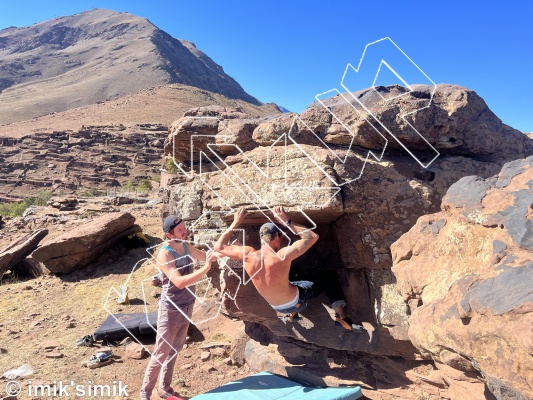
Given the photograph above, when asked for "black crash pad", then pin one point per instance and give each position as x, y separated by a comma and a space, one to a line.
119, 326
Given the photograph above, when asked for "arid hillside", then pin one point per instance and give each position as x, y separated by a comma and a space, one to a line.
156, 105
95, 56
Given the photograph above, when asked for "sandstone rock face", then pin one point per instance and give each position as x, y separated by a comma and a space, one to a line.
230, 127
379, 378
85, 243
466, 273
21, 248
454, 119
337, 169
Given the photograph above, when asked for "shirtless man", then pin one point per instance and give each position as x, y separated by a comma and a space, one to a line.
269, 268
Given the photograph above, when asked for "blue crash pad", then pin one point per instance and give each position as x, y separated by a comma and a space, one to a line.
267, 386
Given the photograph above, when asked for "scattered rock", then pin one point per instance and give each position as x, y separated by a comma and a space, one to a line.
36, 323
207, 368
218, 352
49, 345
205, 355
120, 200
215, 344
84, 244
135, 351
20, 249
54, 354
126, 341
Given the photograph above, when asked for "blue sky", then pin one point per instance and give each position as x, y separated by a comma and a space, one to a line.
288, 51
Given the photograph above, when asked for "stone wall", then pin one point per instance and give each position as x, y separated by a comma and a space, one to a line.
95, 157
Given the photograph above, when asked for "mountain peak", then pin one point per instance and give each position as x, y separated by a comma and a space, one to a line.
95, 55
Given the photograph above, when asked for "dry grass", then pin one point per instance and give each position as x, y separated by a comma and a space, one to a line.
162, 105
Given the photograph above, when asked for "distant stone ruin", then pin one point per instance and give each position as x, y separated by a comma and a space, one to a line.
94, 157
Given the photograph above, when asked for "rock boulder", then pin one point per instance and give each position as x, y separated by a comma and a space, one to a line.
334, 168
467, 275
20, 249
85, 243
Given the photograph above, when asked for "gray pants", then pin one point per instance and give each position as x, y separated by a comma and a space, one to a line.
171, 334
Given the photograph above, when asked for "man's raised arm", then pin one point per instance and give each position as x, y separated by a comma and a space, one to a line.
230, 250
307, 237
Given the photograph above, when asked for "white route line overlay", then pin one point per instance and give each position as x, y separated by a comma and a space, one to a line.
252, 196
356, 70
238, 182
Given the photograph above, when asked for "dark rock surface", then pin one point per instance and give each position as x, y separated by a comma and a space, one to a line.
469, 285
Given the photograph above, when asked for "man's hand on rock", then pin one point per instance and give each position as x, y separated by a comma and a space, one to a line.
280, 215
239, 216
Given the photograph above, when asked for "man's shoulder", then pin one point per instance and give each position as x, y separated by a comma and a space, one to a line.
276, 258
251, 252
164, 253
283, 251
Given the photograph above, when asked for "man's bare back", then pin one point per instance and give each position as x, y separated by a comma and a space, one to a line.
270, 277
269, 266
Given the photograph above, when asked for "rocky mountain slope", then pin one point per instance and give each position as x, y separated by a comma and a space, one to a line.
93, 56
154, 105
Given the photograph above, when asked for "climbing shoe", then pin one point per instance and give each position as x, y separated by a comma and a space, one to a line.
348, 324
99, 359
87, 341
169, 394
291, 317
